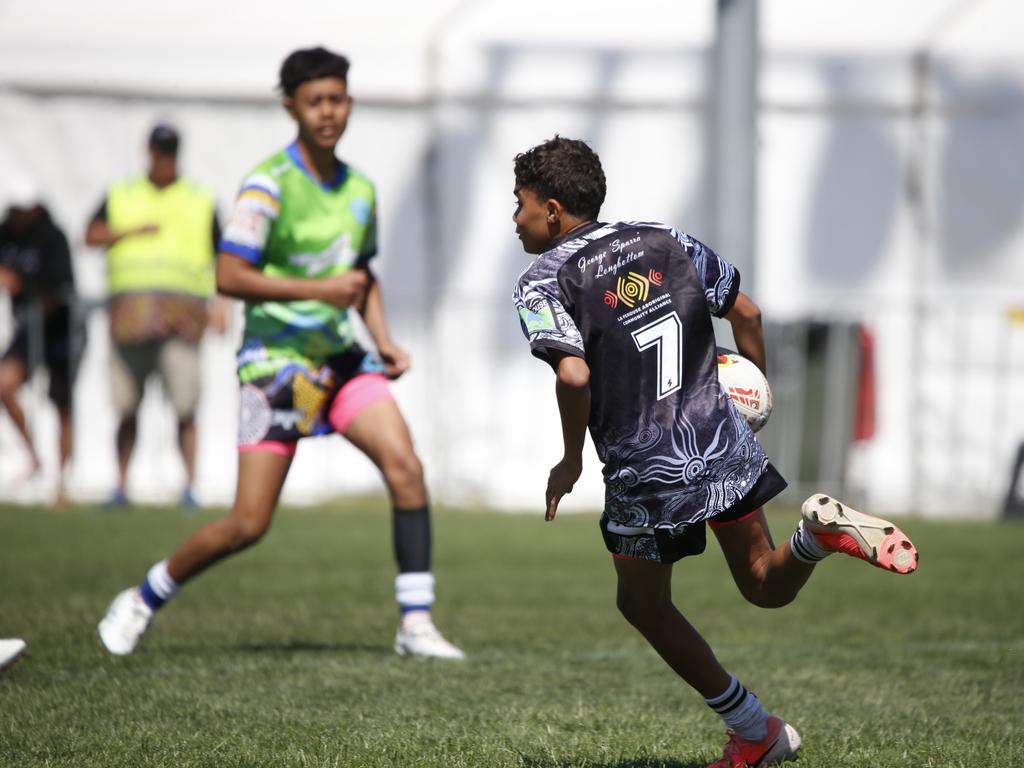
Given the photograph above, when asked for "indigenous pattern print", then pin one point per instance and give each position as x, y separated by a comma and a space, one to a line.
293, 402
635, 300
679, 469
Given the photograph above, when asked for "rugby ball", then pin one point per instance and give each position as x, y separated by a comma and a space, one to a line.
746, 386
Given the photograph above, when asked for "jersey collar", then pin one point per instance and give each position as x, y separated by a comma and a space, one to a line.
586, 229
296, 157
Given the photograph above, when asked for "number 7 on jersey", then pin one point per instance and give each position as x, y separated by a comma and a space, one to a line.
666, 336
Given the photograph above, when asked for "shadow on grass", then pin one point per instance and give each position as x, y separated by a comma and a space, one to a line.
300, 646
643, 762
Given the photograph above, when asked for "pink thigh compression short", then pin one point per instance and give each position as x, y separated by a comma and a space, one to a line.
352, 399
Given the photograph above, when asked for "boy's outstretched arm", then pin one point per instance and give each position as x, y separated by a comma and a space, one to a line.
572, 389
745, 319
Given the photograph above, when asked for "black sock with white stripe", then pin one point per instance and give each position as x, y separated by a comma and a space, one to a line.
805, 546
741, 710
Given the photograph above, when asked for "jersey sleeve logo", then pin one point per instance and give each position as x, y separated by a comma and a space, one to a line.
538, 320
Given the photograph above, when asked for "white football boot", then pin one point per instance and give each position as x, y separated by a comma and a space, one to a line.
126, 621
422, 638
10, 650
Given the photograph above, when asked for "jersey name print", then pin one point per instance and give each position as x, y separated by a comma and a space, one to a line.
635, 300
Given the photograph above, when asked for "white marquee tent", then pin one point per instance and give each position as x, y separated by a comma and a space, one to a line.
890, 190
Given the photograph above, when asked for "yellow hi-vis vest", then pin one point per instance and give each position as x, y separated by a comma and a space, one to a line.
179, 257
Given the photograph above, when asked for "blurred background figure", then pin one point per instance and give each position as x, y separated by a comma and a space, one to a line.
160, 231
35, 269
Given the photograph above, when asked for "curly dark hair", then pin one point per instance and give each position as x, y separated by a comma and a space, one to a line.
567, 170
308, 64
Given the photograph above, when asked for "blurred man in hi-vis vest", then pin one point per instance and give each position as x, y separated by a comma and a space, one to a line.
160, 232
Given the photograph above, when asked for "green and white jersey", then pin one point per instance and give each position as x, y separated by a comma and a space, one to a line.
289, 224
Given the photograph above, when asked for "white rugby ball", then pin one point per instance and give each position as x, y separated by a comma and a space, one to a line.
746, 386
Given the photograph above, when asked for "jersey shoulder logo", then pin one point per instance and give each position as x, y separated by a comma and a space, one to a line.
539, 319
360, 209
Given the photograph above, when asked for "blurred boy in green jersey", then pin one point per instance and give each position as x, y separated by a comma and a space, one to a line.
297, 251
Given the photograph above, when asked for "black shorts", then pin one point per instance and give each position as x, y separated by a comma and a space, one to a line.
669, 545
56, 358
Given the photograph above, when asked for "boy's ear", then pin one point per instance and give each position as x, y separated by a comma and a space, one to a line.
554, 210
289, 105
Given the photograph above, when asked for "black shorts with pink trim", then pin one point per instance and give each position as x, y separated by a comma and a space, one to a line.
669, 545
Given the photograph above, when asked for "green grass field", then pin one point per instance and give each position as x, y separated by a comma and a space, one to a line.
282, 656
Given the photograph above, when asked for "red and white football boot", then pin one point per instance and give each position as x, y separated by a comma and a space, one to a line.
840, 528
779, 744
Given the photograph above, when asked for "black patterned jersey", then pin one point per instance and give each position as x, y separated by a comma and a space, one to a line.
635, 300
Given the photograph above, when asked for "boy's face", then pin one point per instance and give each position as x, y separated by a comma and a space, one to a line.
321, 108
534, 220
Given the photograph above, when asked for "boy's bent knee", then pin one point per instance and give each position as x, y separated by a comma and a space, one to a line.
403, 470
245, 532
763, 599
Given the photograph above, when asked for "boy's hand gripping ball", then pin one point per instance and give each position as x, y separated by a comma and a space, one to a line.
746, 386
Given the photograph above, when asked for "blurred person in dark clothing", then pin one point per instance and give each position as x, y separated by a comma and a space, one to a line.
35, 269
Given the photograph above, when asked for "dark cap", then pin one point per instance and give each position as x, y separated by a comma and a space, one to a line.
164, 138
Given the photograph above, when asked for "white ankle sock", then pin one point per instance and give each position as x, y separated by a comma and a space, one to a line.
741, 710
414, 591
158, 587
805, 546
